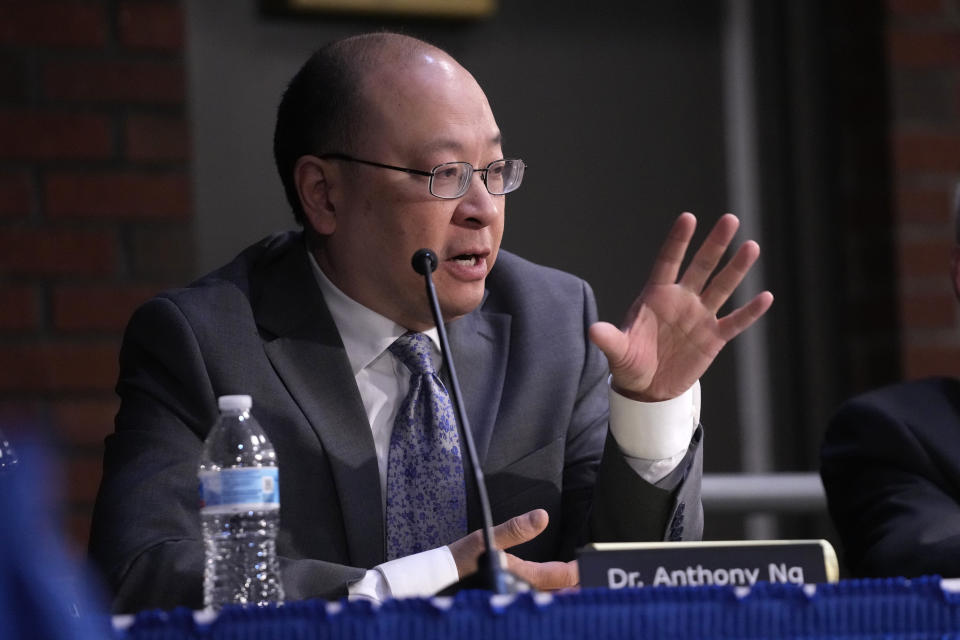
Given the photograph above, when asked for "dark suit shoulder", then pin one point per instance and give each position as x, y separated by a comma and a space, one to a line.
907, 395
511, 268
516, 283
927, 405
241, 272
229, 290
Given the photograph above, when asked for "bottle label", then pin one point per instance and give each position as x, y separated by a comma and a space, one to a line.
245, 489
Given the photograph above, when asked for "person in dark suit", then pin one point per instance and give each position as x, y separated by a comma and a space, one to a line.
890, 464
303, 322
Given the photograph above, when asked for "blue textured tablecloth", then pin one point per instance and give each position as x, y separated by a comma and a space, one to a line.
890, 608
43, 595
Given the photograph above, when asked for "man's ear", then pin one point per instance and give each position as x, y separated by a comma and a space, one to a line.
315, 180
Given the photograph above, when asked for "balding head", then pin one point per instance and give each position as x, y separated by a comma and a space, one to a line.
361, 131
325, 106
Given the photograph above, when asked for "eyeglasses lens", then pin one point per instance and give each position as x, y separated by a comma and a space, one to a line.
452, 180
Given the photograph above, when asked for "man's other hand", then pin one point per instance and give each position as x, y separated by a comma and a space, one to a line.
543, 576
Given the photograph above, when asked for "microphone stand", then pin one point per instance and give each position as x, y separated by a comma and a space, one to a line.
491, 574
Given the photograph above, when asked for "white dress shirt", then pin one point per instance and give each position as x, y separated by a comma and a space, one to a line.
653, 437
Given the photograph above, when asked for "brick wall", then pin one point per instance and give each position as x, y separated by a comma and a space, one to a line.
94, 210
924, 61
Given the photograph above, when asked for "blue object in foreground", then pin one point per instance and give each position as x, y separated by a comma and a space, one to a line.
43, 591
888, 608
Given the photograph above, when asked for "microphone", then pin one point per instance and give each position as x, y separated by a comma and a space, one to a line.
425, 261
491, 574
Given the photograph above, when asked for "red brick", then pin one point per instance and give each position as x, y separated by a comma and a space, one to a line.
16, 194
930, 312
19, 308
83, 478
913, 8
45, 253
115, 81
936, 152
21, 418
923, 48
162, 252
38, 136
956, 102
924, 96
925, 258
58, 367
924, 205
84, 422
122, 194
156, 138
151, 25
65, 24
920, 362
97, 307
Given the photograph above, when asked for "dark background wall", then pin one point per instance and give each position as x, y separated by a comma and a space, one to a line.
134, 154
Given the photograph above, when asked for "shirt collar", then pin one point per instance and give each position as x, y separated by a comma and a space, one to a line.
365, 333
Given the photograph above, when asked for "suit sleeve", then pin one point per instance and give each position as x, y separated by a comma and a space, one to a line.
628, 508
619, 505
146, 537
885, 492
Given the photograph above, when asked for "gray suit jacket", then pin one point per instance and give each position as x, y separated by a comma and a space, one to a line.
536, 396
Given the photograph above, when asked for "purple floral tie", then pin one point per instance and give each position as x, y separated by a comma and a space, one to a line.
426, 498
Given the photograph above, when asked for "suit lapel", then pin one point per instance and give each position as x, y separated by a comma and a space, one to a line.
309, 358
480, 342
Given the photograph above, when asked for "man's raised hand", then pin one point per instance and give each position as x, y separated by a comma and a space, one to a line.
672, 333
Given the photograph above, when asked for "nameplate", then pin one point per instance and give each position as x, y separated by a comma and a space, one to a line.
726, 563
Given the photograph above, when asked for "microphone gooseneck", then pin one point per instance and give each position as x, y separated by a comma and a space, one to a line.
491, 573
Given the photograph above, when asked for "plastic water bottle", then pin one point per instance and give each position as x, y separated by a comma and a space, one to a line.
240, 510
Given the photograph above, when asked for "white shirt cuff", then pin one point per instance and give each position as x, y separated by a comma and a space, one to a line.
654, 436
418, 575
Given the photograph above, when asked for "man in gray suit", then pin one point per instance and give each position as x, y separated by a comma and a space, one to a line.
303, 322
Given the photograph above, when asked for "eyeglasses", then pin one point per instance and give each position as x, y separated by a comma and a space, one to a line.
452, 179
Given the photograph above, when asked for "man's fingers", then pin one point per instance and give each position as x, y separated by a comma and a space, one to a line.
610, 340
667, 265
708, 256
731, 325
730, 277
520, 529
545, 576
508, 534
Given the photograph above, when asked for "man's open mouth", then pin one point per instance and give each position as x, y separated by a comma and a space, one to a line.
466, 259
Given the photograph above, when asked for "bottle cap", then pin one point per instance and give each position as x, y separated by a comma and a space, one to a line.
234, 403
